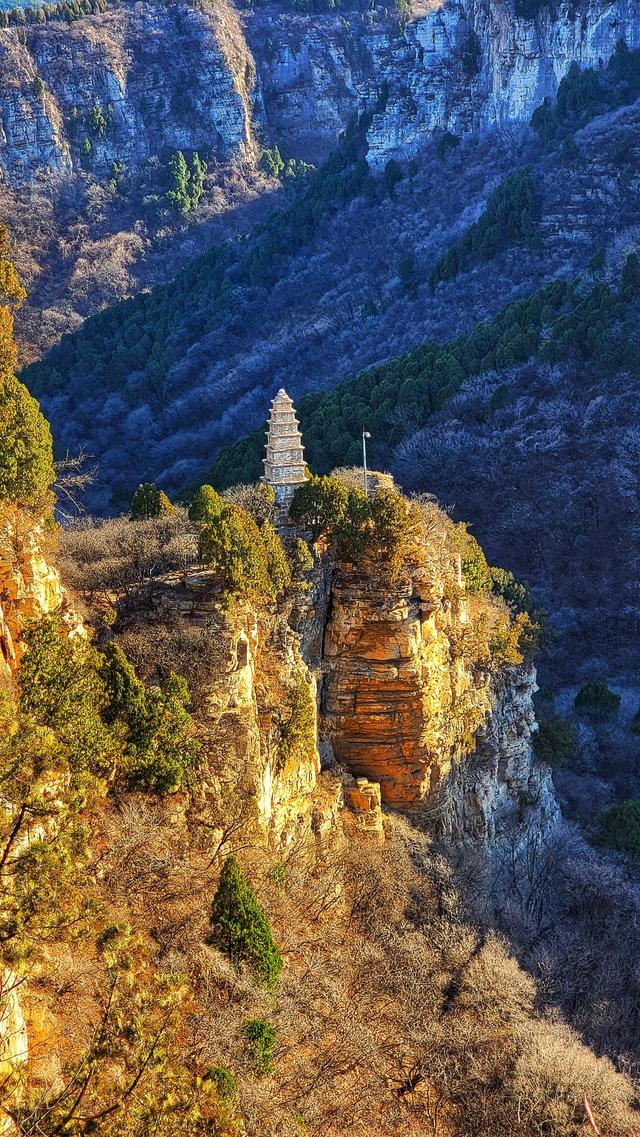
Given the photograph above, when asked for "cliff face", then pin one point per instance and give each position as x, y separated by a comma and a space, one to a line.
163, 78
29, 584
398, 699
461, 66
405, 706
180, 77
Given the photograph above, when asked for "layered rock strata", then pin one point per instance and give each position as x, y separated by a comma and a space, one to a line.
404, 707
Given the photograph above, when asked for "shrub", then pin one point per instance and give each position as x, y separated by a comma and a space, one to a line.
61, 687
260, 1039
225, 1083
555, 740
249, 559
620, 827
149, 501
297, 728
301, 559
515, 593
240, 928
319, 505
26, 455
595, 699
510, 216
475, 569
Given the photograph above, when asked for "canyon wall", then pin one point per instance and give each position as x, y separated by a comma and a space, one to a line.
180, 77
458, 65
162, 78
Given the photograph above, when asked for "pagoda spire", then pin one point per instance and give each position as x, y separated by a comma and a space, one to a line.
284, 465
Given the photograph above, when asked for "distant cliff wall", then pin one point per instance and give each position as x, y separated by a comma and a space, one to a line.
464, 65
203, 78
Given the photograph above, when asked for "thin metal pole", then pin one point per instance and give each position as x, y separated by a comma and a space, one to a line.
365, 435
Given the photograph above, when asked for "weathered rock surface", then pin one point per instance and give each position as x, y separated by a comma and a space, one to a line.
462, 65
404, 707
163, 78
29, 584
180, 77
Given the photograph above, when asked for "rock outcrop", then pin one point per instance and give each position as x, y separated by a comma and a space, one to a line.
404, 706
125, 86
461, 65
29, 584
202, 78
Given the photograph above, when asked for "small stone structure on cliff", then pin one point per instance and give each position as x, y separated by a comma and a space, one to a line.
284, 465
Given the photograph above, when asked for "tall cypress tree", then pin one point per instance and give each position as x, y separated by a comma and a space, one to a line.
240, 928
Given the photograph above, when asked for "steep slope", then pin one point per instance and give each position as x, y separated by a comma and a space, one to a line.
77, 97
214, 357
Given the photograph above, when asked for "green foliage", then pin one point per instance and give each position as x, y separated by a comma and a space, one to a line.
595, 699
260, 1038
249, 559
555, 740
206, 506
319, 504
42, 871
186, 184
98, 121
149, 501
150, 332
515, 593
278, 570
297, 726
61, 688
115, 177
512, 641
582, 95
511, 216
159, 752
38, 88
240, 928
225, 1083
475, 569
620, 827
556, 323
26, 457
380, 527
68, 10
301, 559
278, 875
271, 162
107, 720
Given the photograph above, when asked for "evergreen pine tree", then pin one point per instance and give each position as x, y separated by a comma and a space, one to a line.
240, 928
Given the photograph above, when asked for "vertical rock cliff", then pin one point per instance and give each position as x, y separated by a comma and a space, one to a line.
406, 705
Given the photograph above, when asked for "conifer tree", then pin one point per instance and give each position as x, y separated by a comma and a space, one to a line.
206, 506
149, 501
26, 459
240, 928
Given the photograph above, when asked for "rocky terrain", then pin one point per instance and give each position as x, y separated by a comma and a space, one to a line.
79, 97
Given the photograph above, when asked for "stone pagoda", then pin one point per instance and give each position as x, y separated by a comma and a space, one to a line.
284, 466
